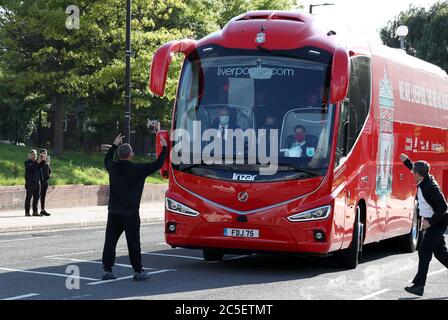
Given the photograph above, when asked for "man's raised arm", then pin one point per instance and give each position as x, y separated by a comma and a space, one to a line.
109, 157
406, 161
150, 168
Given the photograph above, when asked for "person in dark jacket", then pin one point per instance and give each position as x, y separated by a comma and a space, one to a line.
32, 182
126, 181
45, 171
432, 208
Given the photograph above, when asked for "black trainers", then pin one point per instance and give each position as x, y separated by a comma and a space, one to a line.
36, 214
45, 213
417, 290
140, 276
108, 276
27, 214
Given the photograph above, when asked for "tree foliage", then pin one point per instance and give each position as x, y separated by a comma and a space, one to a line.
45, 66
428, 33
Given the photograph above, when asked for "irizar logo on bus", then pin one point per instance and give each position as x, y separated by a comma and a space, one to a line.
244, 177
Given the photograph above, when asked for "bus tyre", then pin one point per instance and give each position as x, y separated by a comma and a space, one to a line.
350, 257
409, 242
212, 255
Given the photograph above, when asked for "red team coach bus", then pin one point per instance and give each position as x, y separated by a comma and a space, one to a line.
344, 112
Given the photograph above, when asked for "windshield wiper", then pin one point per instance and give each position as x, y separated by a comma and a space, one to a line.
183, 167
300, 169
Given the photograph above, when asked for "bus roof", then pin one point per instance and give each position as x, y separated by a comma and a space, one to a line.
400, 56
293, 29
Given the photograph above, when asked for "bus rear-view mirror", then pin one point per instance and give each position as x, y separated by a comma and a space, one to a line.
162, 60
340, 73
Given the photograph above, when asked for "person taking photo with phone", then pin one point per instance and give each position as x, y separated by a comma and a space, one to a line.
126, 180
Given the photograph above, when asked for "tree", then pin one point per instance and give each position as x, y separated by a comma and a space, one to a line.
428, 33
42, 58
46, 64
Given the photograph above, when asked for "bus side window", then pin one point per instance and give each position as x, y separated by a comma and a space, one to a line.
341, 147
355, 107
359, 97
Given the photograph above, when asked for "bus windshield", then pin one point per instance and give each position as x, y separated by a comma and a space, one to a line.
285, 96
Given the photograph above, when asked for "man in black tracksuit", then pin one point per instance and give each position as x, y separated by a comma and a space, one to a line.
127, 180
32, 182
432, 208
45, 171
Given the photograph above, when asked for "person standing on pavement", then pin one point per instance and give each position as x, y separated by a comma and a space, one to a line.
432, 208
126, 181
45, 171
32, 183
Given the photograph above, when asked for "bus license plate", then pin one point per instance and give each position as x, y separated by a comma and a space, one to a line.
242, 233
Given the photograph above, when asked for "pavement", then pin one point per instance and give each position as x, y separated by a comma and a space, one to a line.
66, 265
15, 220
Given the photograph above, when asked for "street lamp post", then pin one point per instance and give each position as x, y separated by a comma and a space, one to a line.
319, 5
402, 32
127, 96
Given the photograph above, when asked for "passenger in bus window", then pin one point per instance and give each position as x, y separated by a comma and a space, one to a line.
270, 122
243, 122
260, 106
314, 99
432, 208
300, 145
225, 120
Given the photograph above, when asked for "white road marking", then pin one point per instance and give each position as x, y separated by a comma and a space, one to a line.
172, 255
22, 296
237, 257
432, 273
374, 294
78, 253
71, 254
95, 262
127, 277
437, 272
24, 239
49, 274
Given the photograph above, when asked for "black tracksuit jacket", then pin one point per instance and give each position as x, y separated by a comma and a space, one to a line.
127, 180
434, 196
33, 174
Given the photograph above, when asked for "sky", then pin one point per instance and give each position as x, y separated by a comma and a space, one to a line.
364, 17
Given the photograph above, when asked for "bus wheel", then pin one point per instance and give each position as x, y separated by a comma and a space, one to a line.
409, 242
212, 255
350, 257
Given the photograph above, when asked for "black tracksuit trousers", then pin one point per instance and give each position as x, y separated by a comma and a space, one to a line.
32, 191
116, 224
43, 194
433, 242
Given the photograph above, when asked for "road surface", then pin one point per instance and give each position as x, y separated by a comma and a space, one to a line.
43, 265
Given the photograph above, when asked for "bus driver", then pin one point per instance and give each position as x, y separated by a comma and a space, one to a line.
298, 145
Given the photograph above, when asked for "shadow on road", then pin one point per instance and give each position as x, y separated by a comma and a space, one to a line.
192, 274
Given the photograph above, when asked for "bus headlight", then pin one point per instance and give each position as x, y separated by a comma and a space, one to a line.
176, 207
311, 215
